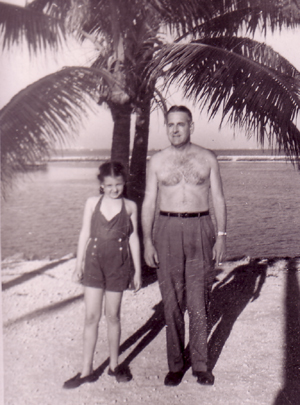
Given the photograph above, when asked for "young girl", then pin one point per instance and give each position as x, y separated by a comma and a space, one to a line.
107, 242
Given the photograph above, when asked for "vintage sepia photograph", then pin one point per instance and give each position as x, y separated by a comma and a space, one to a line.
150, 194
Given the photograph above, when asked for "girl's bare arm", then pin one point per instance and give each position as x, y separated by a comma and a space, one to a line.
84, 237
134, 244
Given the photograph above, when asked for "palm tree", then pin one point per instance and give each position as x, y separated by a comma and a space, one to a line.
123, 36
248, 81
255, 88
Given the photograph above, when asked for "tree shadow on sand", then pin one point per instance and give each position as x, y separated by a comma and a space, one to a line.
290, 394
48, 310
34, 273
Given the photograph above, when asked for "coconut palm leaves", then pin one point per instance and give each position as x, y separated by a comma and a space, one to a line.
19, 24
48, 112
253, 86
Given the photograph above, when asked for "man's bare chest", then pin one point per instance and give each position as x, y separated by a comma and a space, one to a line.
189, 170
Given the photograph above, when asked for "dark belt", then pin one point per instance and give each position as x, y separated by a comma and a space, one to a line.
184, 214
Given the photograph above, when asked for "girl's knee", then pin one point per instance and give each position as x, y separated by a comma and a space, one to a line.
113, 307
92, 318
113, 318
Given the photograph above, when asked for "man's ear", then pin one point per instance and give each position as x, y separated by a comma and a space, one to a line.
192, 127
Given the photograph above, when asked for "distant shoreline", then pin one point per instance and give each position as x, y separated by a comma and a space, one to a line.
221, 158
226, 155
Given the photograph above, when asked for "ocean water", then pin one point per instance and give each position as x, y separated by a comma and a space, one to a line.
42, 214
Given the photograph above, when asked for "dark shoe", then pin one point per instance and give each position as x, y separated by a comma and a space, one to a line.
122, 374
77, 380
173, 378
204, 377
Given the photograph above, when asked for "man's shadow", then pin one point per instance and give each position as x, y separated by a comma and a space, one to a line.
228, 299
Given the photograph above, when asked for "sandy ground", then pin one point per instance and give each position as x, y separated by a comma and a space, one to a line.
253, 344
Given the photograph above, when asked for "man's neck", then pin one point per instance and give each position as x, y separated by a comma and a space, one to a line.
181, 148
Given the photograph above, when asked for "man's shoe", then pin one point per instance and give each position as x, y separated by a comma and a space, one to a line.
173, 378
204, 377
122, 374
76, 381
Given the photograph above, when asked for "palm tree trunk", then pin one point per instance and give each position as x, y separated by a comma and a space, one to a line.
137, 180
121, 114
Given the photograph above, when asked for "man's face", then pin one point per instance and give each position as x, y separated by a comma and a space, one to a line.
179, 128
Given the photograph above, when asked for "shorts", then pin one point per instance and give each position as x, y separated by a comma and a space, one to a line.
108, 264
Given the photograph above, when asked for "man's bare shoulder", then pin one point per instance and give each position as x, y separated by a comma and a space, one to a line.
158, 157
204, 153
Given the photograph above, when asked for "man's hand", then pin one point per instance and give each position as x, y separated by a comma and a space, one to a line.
219, 250
150, 254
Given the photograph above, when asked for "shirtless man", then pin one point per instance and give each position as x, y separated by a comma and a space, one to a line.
182, 244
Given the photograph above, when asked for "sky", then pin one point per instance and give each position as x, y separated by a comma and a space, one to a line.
17, 71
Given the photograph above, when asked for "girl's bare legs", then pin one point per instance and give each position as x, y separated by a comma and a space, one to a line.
93, 298
112, 312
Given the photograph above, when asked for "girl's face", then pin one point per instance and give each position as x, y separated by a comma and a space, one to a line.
113, 186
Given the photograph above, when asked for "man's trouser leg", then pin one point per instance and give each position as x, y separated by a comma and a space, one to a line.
168, 242
198, 243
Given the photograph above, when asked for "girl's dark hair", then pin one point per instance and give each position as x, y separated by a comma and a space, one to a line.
113, 169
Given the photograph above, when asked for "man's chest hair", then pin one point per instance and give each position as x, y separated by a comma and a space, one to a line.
190, 169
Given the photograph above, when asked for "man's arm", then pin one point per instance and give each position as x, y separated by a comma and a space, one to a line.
148, 212
219, 205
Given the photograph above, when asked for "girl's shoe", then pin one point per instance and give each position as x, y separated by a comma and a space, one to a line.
76, 381
122, 374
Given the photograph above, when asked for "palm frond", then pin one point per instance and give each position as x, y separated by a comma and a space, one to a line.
229, 18
74, 13
179, 15
57, 9
39, 31
254, 14
182, 16
229, 23
45, 113
274, 14
255, 96
253, 50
